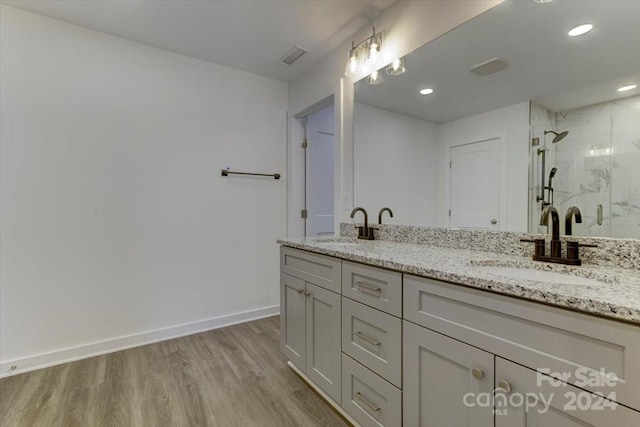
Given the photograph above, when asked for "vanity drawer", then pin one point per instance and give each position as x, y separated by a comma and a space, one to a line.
374, 339
535, 335
369, 399
376, 287
318, 269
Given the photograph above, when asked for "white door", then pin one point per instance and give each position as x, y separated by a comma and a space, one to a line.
475, 185
319, 172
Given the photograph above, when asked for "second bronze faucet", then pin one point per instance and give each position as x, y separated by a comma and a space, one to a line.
365, 232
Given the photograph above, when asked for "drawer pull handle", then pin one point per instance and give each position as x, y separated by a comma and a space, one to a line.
369, 287
477, 373
505, 385
366, 402
367, 338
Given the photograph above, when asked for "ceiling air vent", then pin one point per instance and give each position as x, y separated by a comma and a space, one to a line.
293, 55
489, 67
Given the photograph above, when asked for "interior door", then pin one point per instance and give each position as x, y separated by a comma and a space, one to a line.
475, 185
320, 158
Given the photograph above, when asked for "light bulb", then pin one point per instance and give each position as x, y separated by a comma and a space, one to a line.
374, 79
396, 67
353, 64
373, 55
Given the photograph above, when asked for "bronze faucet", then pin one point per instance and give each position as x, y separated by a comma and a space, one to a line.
383, 211
572, 257
556, 245
571, 212
365, 232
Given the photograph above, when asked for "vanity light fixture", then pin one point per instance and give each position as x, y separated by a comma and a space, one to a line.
580, 30
396, 67
366, 55
626, 88
426, 91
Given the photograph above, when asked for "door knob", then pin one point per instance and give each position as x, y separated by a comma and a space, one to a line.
494, 221
505, 385
477, 373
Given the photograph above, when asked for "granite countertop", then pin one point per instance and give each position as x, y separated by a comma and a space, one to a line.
616, 295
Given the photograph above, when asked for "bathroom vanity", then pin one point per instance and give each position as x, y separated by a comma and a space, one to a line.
395, 333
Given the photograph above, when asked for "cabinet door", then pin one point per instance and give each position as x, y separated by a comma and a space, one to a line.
292, 319
442, 378
532, 400
324, 340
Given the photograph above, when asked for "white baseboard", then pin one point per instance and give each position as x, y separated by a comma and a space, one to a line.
44, 360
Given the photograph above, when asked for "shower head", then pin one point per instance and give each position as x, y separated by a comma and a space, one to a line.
558, 136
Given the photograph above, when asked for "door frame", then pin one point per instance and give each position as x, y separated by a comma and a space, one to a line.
501, 136
296, 167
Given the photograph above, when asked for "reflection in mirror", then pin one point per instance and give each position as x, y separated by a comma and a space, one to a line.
470, 154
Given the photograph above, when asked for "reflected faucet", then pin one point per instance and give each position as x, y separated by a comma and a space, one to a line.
571, 213
383, 210
365, 232
556, 248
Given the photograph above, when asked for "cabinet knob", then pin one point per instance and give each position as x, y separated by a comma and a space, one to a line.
300, 291
308, 294
477, 373
505, 385
494, 221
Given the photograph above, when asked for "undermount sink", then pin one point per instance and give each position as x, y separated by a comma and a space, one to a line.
539, 275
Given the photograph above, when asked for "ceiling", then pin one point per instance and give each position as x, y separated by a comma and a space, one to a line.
249, 35
545, 65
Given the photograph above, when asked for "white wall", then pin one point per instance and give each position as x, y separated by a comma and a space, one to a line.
407, 25
510, 124
395, 165
115, 220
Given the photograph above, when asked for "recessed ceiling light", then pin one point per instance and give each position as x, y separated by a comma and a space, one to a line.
426, 91
542, 1
580, 30
627, 87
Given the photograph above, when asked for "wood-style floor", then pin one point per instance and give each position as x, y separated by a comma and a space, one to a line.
235, 376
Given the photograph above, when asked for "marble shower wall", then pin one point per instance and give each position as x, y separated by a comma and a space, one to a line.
598, 164
540, 120
625, 171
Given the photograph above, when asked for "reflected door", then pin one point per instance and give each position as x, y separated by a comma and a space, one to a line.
475, 185
319, 172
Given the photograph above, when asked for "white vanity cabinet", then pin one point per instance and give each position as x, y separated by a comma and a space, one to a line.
395, 349
310, 315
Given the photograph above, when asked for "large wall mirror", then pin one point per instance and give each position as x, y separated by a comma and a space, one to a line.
521, 115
